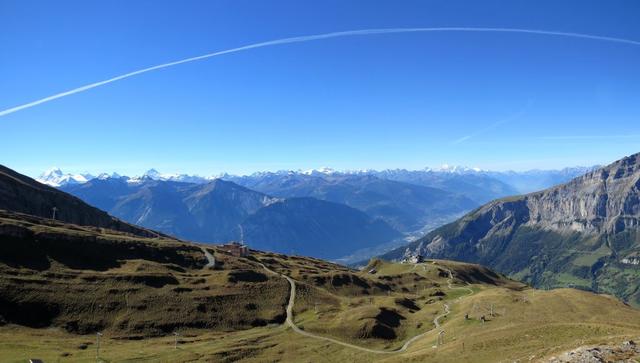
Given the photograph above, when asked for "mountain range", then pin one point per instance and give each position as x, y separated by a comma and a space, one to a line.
220, 211
583, 233
407, 207
453, 178
387, 207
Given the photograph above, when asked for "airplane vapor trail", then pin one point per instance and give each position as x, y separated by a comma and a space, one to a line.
492, 126
308, 38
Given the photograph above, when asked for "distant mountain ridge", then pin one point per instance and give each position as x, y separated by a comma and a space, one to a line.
478, 185
221, 210
475, 185
410, 202
406, 207
534, 180
583, 233
521, 181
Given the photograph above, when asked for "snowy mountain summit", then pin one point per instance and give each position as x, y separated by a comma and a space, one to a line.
520, 181
55, 178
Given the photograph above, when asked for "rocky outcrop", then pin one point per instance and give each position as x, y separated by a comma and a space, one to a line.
626, 352
605, 200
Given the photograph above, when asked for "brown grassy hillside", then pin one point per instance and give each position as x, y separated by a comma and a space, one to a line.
218, 312
19, 193
60, 283
86, 279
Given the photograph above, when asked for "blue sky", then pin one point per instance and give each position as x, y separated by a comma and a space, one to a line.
491, 100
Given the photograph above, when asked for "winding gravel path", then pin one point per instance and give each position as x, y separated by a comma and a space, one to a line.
405, 346
211, 261
436, 321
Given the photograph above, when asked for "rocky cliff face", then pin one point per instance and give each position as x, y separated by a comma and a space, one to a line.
575, 234
605, 200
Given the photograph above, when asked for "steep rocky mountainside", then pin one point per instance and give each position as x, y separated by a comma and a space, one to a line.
583, 233
220, 211
22, 194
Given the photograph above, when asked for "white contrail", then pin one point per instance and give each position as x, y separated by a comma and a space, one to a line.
492, 126
308, 38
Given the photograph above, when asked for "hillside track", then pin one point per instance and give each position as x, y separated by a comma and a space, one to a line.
289, 321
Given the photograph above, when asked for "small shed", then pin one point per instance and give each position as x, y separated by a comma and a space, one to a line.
235, 249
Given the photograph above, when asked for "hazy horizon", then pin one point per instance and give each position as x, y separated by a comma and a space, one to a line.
441, 168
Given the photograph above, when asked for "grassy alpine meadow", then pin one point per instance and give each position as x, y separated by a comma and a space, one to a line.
378, 311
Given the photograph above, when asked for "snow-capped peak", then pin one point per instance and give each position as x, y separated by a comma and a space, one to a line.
104, 176
51, 172
324, 171
446, 168
152, 173
55, 177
